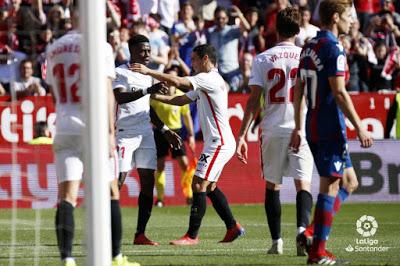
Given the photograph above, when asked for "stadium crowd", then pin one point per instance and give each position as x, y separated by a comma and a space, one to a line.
238, 29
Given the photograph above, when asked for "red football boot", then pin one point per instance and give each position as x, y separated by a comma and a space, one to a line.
233, 233
141, 239
185, 240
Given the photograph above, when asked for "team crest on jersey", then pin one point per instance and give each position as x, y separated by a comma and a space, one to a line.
341, 63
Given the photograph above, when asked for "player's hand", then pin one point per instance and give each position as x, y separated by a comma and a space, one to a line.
365, 138
136, 67
241, 150
295, 140
174, 140
192, 143
159, 88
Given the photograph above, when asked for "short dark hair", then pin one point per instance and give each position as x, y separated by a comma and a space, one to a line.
206, 49
221, 9
40, 129
137, 39
287, 22
304, 9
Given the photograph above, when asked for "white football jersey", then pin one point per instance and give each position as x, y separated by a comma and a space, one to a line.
133, 117
211, 94
275, 71
63, 74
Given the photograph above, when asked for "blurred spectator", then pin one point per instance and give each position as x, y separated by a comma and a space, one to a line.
9, 66
364, 10
270, 21
120, 56
2, 90
245, 69
383, 29
113, 15
376, 81
124, 37
153, 23
45, 38
148, 7
195, 38
30, 20
56, 21
393, 115
66, 6
42, 134
205, 9
249, 38
8, 29
359, 52
159, 48
174, 60
168, 10
138, 27
307, 30
225, 38
181, 30
387, 5
27, 84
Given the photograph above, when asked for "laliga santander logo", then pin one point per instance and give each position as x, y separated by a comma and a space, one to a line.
367, 225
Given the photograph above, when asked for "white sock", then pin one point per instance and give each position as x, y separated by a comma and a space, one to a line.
276, 240
300, 230
69, 259
118, 257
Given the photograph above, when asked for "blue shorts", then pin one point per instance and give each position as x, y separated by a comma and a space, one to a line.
330, 157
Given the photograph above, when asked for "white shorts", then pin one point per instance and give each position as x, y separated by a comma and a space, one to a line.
278, 160
212, 160
68, 150
137, 152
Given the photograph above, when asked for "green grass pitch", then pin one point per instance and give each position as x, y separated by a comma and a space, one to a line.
171, 222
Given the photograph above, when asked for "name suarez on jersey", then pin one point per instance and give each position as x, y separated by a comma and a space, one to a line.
309, 52
282, 55
67, 48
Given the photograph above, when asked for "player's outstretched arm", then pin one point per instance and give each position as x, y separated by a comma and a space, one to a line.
252, 106
172, 99
298, 105
179, 82
343, 99
122, 95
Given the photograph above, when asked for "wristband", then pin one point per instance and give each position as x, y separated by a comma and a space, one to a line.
164, 128
144, 91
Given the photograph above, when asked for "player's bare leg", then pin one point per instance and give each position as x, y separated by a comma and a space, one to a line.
145, 206
64, 220
272, 205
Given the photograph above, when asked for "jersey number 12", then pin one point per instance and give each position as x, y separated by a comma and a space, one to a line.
60, 72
